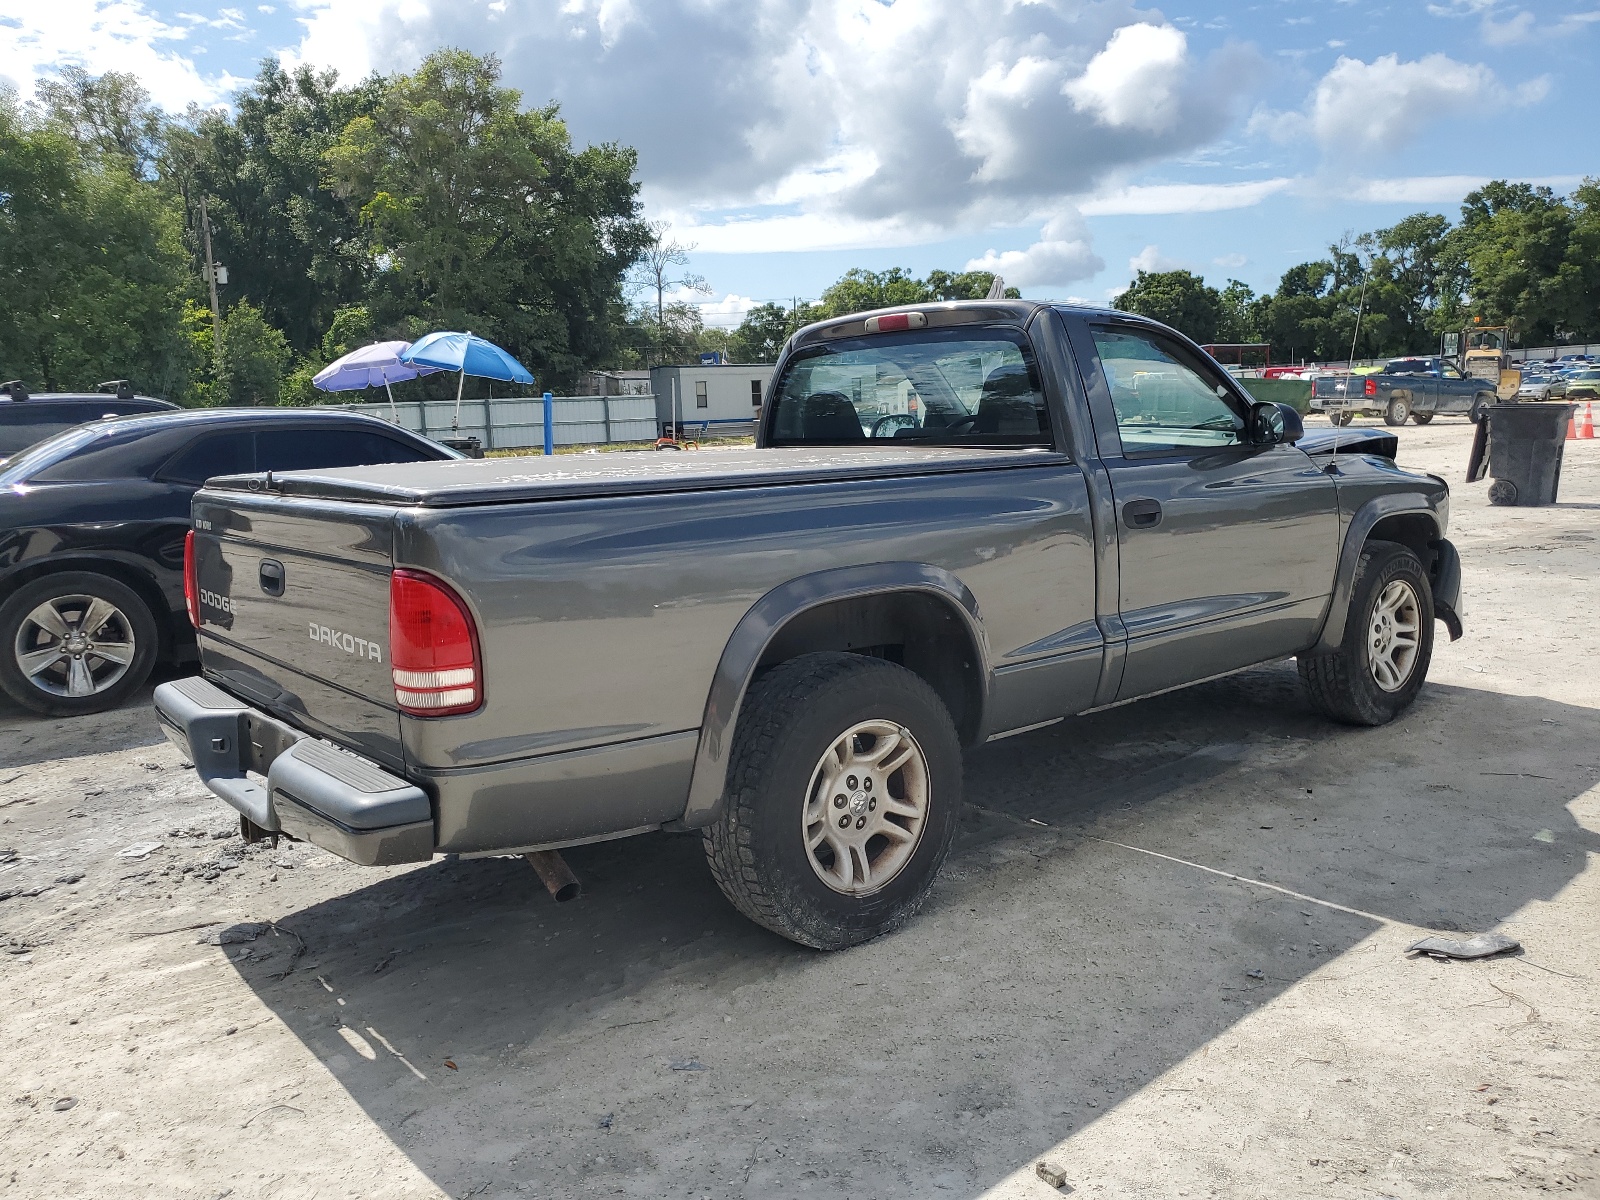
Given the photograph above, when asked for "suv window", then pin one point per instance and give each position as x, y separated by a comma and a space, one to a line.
212, 454
957, 386
312, 448
1164, 401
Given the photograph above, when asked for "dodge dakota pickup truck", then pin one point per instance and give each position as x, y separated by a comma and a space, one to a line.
959, 522
1414, 388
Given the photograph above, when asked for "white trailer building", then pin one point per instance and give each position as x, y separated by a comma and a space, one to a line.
721, 400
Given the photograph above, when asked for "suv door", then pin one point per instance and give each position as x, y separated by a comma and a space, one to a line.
1227, 550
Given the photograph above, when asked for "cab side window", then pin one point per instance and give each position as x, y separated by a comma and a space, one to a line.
1164, 401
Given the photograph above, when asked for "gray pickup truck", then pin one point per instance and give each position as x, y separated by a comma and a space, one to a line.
959, 522
1415, 388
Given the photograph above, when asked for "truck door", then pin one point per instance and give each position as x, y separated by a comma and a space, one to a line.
1455, 392
1227, 551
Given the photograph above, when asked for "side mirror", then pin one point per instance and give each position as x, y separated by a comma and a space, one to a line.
1275, 424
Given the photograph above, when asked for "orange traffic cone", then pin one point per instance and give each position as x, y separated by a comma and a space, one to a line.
1586, 430
1572, 425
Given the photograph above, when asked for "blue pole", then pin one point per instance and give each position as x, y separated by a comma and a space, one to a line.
549, 428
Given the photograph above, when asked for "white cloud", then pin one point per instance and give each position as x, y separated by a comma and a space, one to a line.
1151, 259
1134, 82
933, 115
1162, 198
1382, 106
1231, 262
1062, 255
105, 35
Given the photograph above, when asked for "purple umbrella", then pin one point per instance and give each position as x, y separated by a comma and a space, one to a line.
377, 365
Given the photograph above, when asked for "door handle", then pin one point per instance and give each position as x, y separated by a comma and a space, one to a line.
1142, 514
272, 577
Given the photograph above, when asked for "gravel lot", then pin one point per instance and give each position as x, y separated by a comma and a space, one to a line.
1167, 955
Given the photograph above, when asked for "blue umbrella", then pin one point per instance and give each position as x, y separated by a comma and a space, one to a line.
377, 365
468, 354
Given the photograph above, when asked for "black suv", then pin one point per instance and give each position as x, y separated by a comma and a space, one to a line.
92, 526
26, 419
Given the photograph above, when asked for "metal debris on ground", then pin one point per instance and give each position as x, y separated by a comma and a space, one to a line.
1482, 946
1051, 1173
605, 1121
244, 931
66, 1102
688, 1064
1255, 973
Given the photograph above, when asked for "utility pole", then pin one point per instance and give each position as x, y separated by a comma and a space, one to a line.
211, 278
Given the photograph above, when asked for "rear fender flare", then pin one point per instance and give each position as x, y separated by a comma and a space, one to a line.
1355, 537
767, 618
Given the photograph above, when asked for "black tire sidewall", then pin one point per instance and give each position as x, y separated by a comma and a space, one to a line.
1397, 405
1384, 564
876, 691
27, 597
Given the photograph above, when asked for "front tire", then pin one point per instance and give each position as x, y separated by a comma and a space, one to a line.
1397, 412
1383, 657
75, 643
1422, 418
844, 791
1342, 418
1480, 407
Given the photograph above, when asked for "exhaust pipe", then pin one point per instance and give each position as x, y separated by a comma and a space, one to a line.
557, 877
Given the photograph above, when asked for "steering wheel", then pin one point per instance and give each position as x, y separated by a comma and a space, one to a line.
893, 421
962, 424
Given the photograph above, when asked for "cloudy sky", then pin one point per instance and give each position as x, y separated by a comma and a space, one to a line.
1064, 143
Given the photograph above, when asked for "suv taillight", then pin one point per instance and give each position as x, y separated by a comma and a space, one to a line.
1371, 387
433, 648
191, 584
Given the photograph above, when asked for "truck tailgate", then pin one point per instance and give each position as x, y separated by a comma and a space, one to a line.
294, 613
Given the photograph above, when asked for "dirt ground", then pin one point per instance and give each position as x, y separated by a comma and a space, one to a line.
1167, 955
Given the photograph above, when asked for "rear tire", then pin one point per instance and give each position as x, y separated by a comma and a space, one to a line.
1341, 419
809, 733
75, 643
1383, 657
1503, 493
1397, 412
1480, 405
1422, 418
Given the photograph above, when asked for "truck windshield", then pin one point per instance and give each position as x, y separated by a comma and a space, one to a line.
960, 386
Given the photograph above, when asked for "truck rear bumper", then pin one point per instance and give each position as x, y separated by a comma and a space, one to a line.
311, 790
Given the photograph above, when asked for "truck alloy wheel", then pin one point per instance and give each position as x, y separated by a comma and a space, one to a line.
1383, 655
844, 790
1397, 412
868, 803
1393, 636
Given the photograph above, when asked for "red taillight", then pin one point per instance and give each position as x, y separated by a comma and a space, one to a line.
894, 322
433, 648
1371, 388
191, 584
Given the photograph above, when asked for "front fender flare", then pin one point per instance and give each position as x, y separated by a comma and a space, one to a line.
1361, 526
761, 624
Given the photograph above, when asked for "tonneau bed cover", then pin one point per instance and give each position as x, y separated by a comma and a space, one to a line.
463, 482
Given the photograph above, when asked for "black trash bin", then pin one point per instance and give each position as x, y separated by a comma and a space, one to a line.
1525, 443
470, 446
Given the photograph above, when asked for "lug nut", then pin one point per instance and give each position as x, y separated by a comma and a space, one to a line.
872, 804
861, 822
851, 782
844, 821
866, 783
840, 801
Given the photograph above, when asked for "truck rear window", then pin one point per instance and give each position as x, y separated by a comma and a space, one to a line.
959, 386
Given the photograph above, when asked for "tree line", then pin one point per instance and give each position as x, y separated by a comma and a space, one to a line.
386, 209
1520, 256
436, 200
